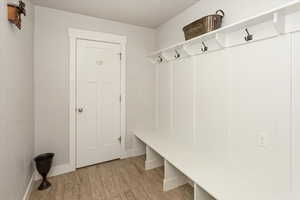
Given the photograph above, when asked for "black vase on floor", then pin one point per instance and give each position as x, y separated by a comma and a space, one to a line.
43, 166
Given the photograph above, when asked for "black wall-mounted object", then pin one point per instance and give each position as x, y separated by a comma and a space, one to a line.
204, 47
177, 55
249, 36
160, 59
14, 12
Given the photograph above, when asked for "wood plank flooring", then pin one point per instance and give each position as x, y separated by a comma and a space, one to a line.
117, 180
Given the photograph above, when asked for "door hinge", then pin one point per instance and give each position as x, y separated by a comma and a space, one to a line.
120, 98
120, 56
120, 139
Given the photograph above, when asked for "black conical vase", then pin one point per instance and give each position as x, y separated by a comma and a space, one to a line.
43, 166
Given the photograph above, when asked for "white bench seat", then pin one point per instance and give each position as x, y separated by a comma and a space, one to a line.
214, 179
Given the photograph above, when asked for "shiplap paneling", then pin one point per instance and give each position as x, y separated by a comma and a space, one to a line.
225, 101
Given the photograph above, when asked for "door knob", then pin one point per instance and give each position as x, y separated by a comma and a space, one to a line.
80, 110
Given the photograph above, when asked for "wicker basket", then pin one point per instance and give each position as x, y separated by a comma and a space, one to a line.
204, 25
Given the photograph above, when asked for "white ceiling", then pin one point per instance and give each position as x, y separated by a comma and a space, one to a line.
148, 13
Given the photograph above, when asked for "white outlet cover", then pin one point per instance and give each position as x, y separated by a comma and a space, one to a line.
263, 139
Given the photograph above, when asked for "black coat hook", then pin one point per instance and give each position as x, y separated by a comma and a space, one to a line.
249, 36
204, 48
160, 59
177, 55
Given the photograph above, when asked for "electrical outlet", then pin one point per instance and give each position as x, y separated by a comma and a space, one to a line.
263, 139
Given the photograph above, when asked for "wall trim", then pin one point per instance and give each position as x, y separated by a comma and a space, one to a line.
56, 171
74, 35
293, 116
67, 168
29, 188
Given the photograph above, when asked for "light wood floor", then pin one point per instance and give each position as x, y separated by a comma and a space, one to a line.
116, 180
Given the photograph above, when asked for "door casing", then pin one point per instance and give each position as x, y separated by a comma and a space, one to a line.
74, 35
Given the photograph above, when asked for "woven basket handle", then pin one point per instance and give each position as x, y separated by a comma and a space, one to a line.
220, 12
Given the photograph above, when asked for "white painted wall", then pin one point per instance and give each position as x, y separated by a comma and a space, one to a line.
51, 76
296, 114
16, 104
235, 10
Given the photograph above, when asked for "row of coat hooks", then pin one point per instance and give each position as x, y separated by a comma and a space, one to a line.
204, 48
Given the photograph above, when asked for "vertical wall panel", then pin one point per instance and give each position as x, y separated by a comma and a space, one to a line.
164, 96
296, 116
183, 99
211, 106
260, 93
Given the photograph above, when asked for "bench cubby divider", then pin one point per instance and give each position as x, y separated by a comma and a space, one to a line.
173, 177
153, 159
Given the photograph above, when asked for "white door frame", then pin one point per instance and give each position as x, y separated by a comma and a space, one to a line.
74, 35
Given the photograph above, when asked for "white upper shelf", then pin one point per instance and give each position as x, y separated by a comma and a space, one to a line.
281, 20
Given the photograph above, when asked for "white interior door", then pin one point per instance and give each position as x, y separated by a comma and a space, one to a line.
98, 102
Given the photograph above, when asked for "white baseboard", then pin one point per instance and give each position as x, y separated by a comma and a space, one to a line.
66, 168
174, 182
57, 170
61, 169
29, 188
